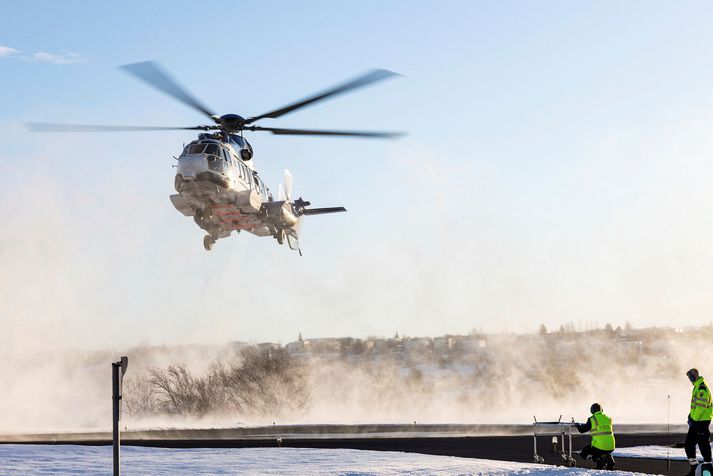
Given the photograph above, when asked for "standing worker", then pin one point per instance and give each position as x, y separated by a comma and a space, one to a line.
699, 421
603, 443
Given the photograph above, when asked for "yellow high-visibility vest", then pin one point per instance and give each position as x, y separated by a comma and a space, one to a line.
602, 432
701, 408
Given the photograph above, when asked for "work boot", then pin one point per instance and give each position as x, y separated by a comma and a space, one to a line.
601, 460
610, 463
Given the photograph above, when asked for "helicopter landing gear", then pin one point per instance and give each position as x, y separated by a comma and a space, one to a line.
208, 242
280, 236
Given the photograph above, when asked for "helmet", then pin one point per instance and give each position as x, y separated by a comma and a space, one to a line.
692, 375
595, 408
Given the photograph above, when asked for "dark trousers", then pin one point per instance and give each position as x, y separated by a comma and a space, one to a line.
600, 457
699, 434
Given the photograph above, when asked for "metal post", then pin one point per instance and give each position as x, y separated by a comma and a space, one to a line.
668, 431
118, 369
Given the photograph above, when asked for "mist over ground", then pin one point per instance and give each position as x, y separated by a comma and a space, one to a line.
558, 168
476, 378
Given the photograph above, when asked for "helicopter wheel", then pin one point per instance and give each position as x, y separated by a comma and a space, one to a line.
208, 242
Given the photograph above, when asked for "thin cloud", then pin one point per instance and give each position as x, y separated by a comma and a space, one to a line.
65, 57
7, 51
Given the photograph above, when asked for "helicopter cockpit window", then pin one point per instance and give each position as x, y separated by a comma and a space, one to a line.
212, 149
194, 149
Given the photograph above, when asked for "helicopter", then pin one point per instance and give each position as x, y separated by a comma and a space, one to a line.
216, 181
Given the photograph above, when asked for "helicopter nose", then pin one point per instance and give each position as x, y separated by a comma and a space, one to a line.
190, 166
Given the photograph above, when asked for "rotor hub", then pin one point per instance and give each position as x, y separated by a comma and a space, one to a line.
232, 122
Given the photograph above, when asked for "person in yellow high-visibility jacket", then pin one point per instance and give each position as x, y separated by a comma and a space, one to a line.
699, 420
603, 443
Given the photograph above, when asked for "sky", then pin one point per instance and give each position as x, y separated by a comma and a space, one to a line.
557, 170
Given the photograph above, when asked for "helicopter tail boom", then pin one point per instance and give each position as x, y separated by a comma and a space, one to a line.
323, 211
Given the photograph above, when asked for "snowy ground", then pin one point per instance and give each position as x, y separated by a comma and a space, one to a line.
653, 452
73, 459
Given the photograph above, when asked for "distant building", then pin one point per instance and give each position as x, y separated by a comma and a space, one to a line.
443, 344
416, 344
268, 346
473, 344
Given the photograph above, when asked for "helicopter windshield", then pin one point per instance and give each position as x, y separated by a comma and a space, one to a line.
194, 149
212, 149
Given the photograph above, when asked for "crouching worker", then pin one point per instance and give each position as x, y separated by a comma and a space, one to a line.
603, 443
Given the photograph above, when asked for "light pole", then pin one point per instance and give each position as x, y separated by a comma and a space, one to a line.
118, 369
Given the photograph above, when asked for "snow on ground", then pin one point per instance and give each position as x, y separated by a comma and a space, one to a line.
653, 452
96, 460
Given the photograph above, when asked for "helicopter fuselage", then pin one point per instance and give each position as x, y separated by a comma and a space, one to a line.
219, 187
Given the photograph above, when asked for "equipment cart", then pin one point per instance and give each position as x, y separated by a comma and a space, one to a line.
563, 429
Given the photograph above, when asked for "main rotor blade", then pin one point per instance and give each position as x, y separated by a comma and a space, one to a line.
312, 132
49, 127
368, 78
151, 73
322, 211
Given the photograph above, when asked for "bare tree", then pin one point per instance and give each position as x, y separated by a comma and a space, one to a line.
139, 396
261, 381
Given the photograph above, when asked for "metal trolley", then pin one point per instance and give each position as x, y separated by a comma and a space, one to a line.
563, 429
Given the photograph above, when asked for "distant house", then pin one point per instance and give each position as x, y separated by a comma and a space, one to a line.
416, 344
473, 344
443, 344
269, 346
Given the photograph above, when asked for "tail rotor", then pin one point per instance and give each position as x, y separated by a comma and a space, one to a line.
288, 227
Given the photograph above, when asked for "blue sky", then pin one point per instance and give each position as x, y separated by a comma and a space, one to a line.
556, 170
